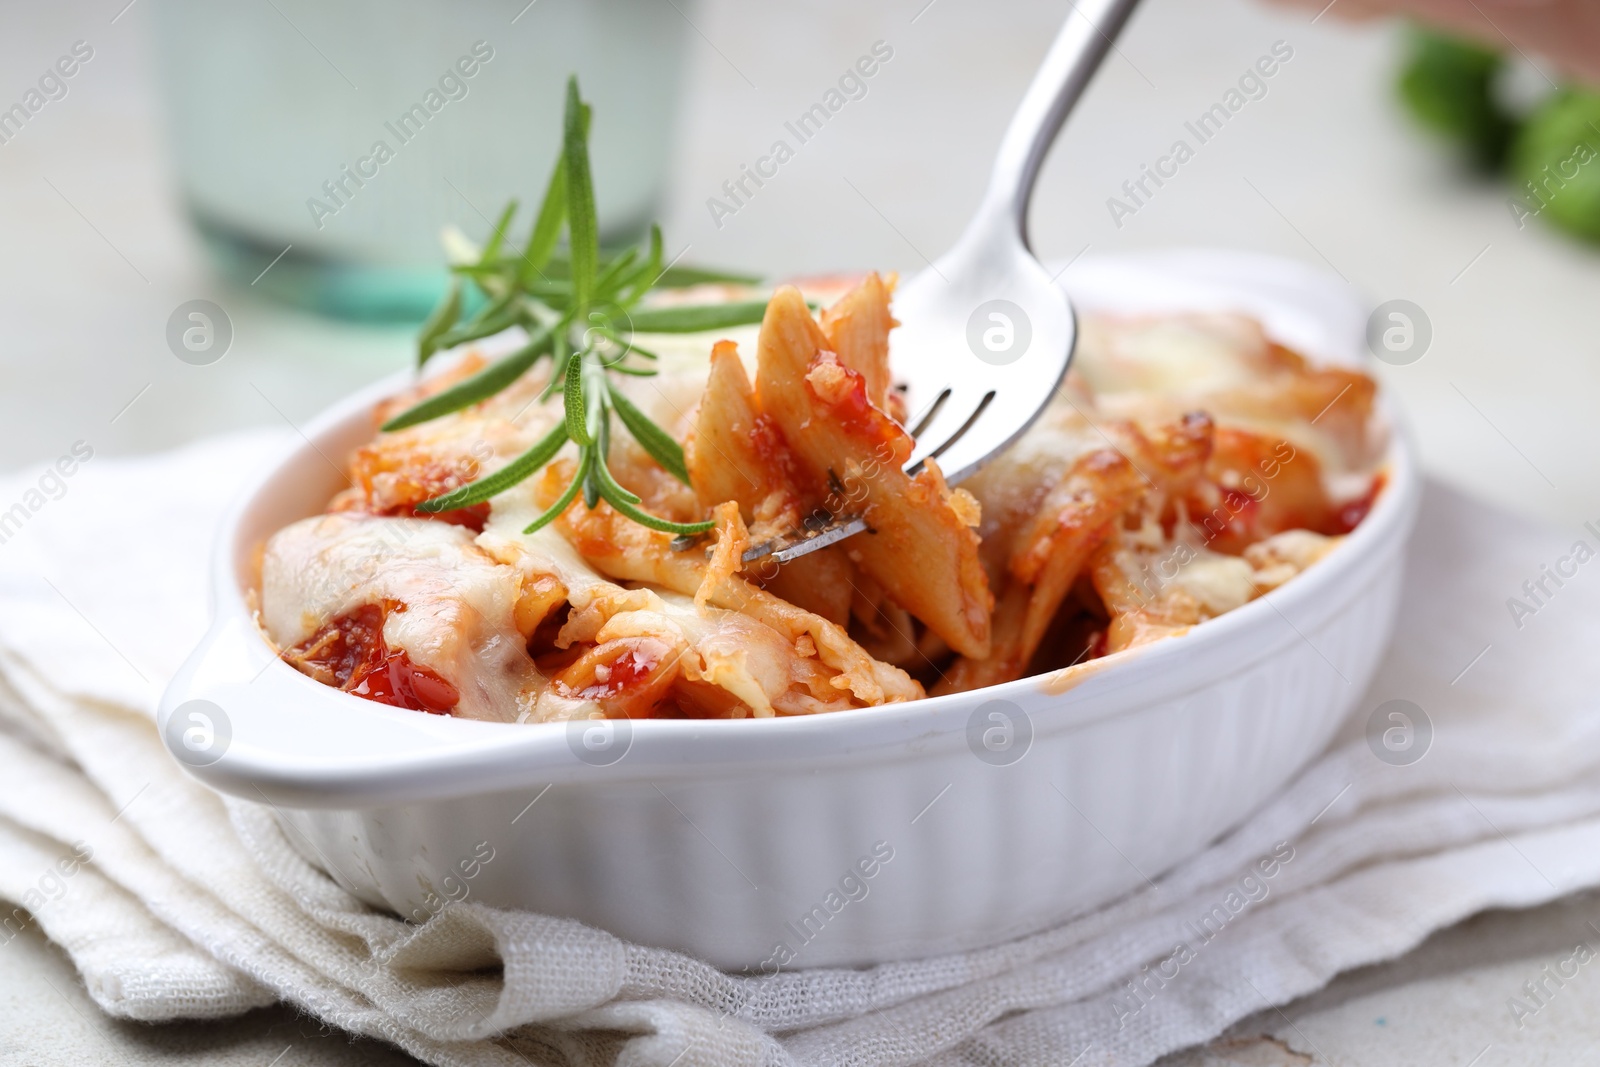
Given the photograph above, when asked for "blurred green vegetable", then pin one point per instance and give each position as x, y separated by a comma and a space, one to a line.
1449, 86
1555, 162
1552, 154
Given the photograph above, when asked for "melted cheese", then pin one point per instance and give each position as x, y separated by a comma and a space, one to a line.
1217, 583
458, 602
1170, 354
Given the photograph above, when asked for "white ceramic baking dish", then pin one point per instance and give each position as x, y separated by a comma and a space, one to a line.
847, 838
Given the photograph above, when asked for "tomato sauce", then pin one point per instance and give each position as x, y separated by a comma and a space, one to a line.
393, 485
351, 650
770, 447
1242, 506
855, 414
621, 674
1350, 515
474, 518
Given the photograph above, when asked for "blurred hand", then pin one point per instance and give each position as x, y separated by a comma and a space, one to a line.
1566, 32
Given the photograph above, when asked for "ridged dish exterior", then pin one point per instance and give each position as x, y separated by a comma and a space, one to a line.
1115, 788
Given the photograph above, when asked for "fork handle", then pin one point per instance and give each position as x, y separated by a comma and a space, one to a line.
1090, 29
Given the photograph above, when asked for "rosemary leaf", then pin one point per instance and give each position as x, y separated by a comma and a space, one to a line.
442, 318
479, 270
696, 318
565, 501
562, 354
480, 386
496, 317
504, 478
652, 438
615, 270
612, 493
576, 308
557, 293
595, 413
683, 277
591, 484
547, 225
572, 398
599, 416
583, 232
629, 348
498, 237
613, 489
676, 277
638, 283
634, 349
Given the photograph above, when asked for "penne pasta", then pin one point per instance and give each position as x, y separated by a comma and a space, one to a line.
1188, 465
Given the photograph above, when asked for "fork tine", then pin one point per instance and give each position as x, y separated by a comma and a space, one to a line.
958, 435
956, 419
920, 420
845, 526
805, 541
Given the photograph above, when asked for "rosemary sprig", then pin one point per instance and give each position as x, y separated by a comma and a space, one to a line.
580, 308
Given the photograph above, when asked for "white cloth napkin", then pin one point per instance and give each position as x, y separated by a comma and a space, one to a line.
174, 903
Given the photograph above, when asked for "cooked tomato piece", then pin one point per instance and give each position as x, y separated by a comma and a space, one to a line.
350, 653
1351, 514
629, 677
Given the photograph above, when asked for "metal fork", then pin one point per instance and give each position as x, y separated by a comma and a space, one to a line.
985, 334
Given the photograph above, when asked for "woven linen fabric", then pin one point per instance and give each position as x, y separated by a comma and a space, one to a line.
176, 903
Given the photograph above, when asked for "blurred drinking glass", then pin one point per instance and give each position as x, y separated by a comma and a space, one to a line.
331, 140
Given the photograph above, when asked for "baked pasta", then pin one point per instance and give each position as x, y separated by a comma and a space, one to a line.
1188, 464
